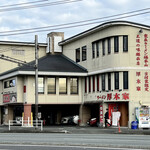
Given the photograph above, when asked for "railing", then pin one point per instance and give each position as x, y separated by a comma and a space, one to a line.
26, 123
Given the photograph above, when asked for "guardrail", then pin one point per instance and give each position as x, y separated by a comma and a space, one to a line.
26, 123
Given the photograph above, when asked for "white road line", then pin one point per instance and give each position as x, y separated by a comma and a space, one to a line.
85, 147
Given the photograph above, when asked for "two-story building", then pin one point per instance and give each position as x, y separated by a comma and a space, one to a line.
116, 55
104, 67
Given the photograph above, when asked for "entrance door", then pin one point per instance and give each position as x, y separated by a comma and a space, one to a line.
123, 108
113, 107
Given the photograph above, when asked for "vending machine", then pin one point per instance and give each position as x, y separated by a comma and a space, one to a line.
143, 116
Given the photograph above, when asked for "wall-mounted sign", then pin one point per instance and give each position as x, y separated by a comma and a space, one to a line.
142, 59
10, 98
115, 96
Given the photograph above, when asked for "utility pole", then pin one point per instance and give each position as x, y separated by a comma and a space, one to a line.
36, 80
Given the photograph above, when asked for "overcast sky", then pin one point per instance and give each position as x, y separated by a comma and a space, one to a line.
65, 13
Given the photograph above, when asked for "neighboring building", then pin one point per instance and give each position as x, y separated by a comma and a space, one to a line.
104, 67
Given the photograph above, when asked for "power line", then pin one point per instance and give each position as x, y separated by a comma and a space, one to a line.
39, 5
83, 21
72, 25
11, 5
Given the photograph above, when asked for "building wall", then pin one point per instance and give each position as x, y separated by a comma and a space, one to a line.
138, 90
46, 98
18, 51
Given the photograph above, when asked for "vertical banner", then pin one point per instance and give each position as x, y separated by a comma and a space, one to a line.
101, 114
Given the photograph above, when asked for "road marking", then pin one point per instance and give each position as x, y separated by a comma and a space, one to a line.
59, 146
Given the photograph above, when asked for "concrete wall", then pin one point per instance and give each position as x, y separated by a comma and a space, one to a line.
47, 98
20, 52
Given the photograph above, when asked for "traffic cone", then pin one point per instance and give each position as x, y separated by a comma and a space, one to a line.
119, 130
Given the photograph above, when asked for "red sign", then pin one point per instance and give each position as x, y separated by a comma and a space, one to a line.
10, 98
116, 96
138, 50
146, 85
101, 113
138, 81
145, 51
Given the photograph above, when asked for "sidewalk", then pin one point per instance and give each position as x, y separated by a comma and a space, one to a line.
74, 130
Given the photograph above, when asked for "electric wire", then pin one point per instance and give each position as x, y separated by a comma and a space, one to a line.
39, 5
83, 21
73, 26
77, 22
11, 5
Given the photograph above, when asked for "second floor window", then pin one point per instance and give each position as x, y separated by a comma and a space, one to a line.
116, 44
125, 43
89, 84
93, 50
78, 55
83, 53
93, 83
103, 47
125, 80
103, 82
109, 81
97, 49
97, 82
40, 85
85, 85
109, 45
116, 80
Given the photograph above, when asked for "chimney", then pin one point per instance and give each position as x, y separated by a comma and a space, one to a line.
53, 39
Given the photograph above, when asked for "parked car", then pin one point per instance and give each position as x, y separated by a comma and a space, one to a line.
70, 120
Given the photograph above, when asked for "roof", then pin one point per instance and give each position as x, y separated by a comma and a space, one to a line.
51, 64
102, 26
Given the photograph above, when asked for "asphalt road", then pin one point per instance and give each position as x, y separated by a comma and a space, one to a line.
52, 147
96, 140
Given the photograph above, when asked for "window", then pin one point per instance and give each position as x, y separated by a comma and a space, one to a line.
125, 80
103, 47
116, 80
93, 50
116, 44
89, 84
103, 82
18, 52
125, 43
74, 85
97, 49
109, 45
62, 85
97, 82
83, 53
85, 84
109, 81
51, 85
10, 83
41, 85
78, 55
93, 83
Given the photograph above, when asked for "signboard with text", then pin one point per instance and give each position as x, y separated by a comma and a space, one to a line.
142, 61
10, 98
113, 96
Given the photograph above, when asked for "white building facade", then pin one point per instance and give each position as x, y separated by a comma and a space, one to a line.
116, 55
104, 67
